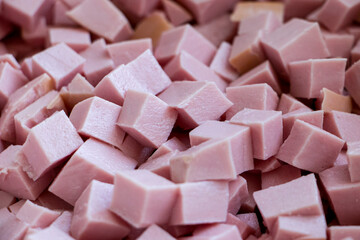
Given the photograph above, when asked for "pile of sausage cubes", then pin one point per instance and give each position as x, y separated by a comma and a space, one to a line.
186, 119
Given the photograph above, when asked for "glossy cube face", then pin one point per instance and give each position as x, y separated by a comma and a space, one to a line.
143, 198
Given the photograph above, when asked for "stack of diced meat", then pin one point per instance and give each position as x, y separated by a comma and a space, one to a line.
179, 119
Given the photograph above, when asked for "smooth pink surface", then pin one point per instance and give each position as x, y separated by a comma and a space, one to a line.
336, 14
264, 73
300, 8
343, 232
286, 44
342, 194
127, 51
218, 156
297, 197
176, 13
51, 201
309, 77
238, 193
339, 44
184, 38
155, 232
253, 179
220, 63
93, 160
14, 180
96, 117
353, 159
170, 145
5, 28
200, 203
60, 62
344, 125
10, 59
196, 102
244, 229
10, 80
63, 222
43, 151
47, 233
159, 165
35, 113
10, 226
102, 18
218, 30
280, 175
19, 100
251, 220
216, 232
76, 38
266, 130
35, 215
59, 16
310, 148
204, 11
287, 104
147, 118
143, 198
92, 218
142, 74
268, 165
138, 8
37, 35
255, 96
265, 22
6, 199
98, 61
352, 81
315, 118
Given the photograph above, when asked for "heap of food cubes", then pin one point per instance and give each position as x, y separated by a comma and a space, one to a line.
186, 119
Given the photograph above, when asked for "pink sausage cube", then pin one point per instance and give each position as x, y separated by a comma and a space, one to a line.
220, 63
155, 232
76, 38
201, 203
335, 14
343, 232
51, 201
93, 160
238, 193
63, 222
170, 145
268, 165
253, 179
137, 8
352, 81
11, 227
96, 117
344, 125
217, 231
6, 199
284, 45
339, 44
251, 220
265, 22
315, 118
98, 61
287, 104
14, 180
343, 194
159, 165
176, 13
300, 8
297, 197
196, 102
143, 198
355, 53
24, 13
10, 59
310, 148
204, 11
19, 100
60, 62
35, 215
266, 130
102, 18
45, 151
127, 51
10, 80
294, 227
26, 68
256, 96
146, 118
47, 233
59, 16
264, 73
309, 77
353, 159
92, 218
5, 26
186, 67
280, 175
142, 74
218, 30
184, 38
244, 229
37, 35
35, 113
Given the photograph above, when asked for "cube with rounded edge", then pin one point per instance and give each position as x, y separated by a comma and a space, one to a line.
195, 102
143, 198
92, 218
49, 143
147, 118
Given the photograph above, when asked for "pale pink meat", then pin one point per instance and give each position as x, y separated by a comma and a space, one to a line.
76, 38
10, 226
220, 63
238, 193
176, 13
280, 175
155, 232
265, 22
